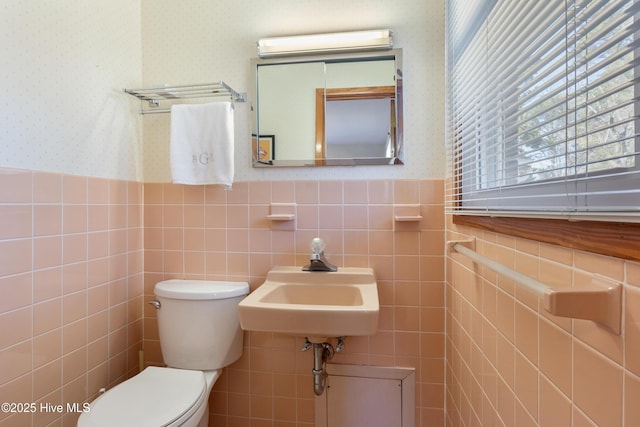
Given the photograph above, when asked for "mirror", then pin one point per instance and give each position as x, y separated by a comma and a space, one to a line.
328, 110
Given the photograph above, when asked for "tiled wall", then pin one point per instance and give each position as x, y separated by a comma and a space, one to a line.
509, 363
71, 278
205, 232
71, 313
71, 287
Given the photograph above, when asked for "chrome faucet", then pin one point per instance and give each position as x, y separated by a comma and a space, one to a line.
318, 262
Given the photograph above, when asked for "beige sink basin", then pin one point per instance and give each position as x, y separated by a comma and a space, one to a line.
314, 304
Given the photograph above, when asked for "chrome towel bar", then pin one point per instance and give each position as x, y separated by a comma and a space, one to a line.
153, 96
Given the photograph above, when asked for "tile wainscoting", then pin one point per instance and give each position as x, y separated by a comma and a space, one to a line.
208, 233
71, 284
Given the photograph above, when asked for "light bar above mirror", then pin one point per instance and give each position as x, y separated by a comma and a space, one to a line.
352, 41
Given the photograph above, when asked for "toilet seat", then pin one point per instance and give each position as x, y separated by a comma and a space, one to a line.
155, 397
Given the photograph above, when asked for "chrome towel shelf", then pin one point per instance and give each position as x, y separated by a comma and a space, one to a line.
153, 96
600, 302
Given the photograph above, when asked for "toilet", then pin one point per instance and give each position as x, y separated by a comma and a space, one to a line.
200, 334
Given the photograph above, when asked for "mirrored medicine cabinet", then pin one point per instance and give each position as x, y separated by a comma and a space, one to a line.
328, 110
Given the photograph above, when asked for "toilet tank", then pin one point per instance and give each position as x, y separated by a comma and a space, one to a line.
198, 322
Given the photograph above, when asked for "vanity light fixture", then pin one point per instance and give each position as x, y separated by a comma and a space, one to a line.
321, 43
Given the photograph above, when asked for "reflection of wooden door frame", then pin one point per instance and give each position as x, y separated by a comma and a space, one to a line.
346, 94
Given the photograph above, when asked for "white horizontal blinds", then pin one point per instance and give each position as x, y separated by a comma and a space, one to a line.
542, 107
607, 164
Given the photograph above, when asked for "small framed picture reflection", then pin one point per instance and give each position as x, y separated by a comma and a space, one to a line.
264, 148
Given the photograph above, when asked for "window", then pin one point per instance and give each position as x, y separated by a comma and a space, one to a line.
543, 107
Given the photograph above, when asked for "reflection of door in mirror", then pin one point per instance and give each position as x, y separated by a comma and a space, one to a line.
356, 122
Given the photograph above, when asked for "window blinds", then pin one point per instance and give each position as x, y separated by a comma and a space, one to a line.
542, 108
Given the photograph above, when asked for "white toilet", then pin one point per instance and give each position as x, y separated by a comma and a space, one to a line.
199, 335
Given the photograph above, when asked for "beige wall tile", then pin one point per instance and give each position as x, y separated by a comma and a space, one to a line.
526, 384
56, 345
632, 330
16, 221
631, 398
406, 191
526, 332
46, 188
16, 256
597, 386
238, 243
567, 349
599, 264
74, 189
205, 232
355, 192
47, 220
555, 356
16, 326
633, 273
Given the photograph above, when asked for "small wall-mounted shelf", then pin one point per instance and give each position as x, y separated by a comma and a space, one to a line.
407, 213
600, 302
283, 216
406, 217
153, 96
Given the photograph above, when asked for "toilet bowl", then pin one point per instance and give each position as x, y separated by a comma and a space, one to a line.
155, 397
200, 334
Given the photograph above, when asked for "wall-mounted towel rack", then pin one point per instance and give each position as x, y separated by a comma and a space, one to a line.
600, 302
154, 95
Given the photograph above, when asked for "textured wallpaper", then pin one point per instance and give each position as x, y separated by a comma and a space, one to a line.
198, 41
63, 65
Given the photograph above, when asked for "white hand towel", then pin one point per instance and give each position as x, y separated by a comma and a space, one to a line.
202, 142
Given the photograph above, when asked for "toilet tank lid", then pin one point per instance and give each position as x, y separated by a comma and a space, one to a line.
200, 289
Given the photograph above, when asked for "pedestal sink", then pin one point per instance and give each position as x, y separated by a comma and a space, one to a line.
314, 304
